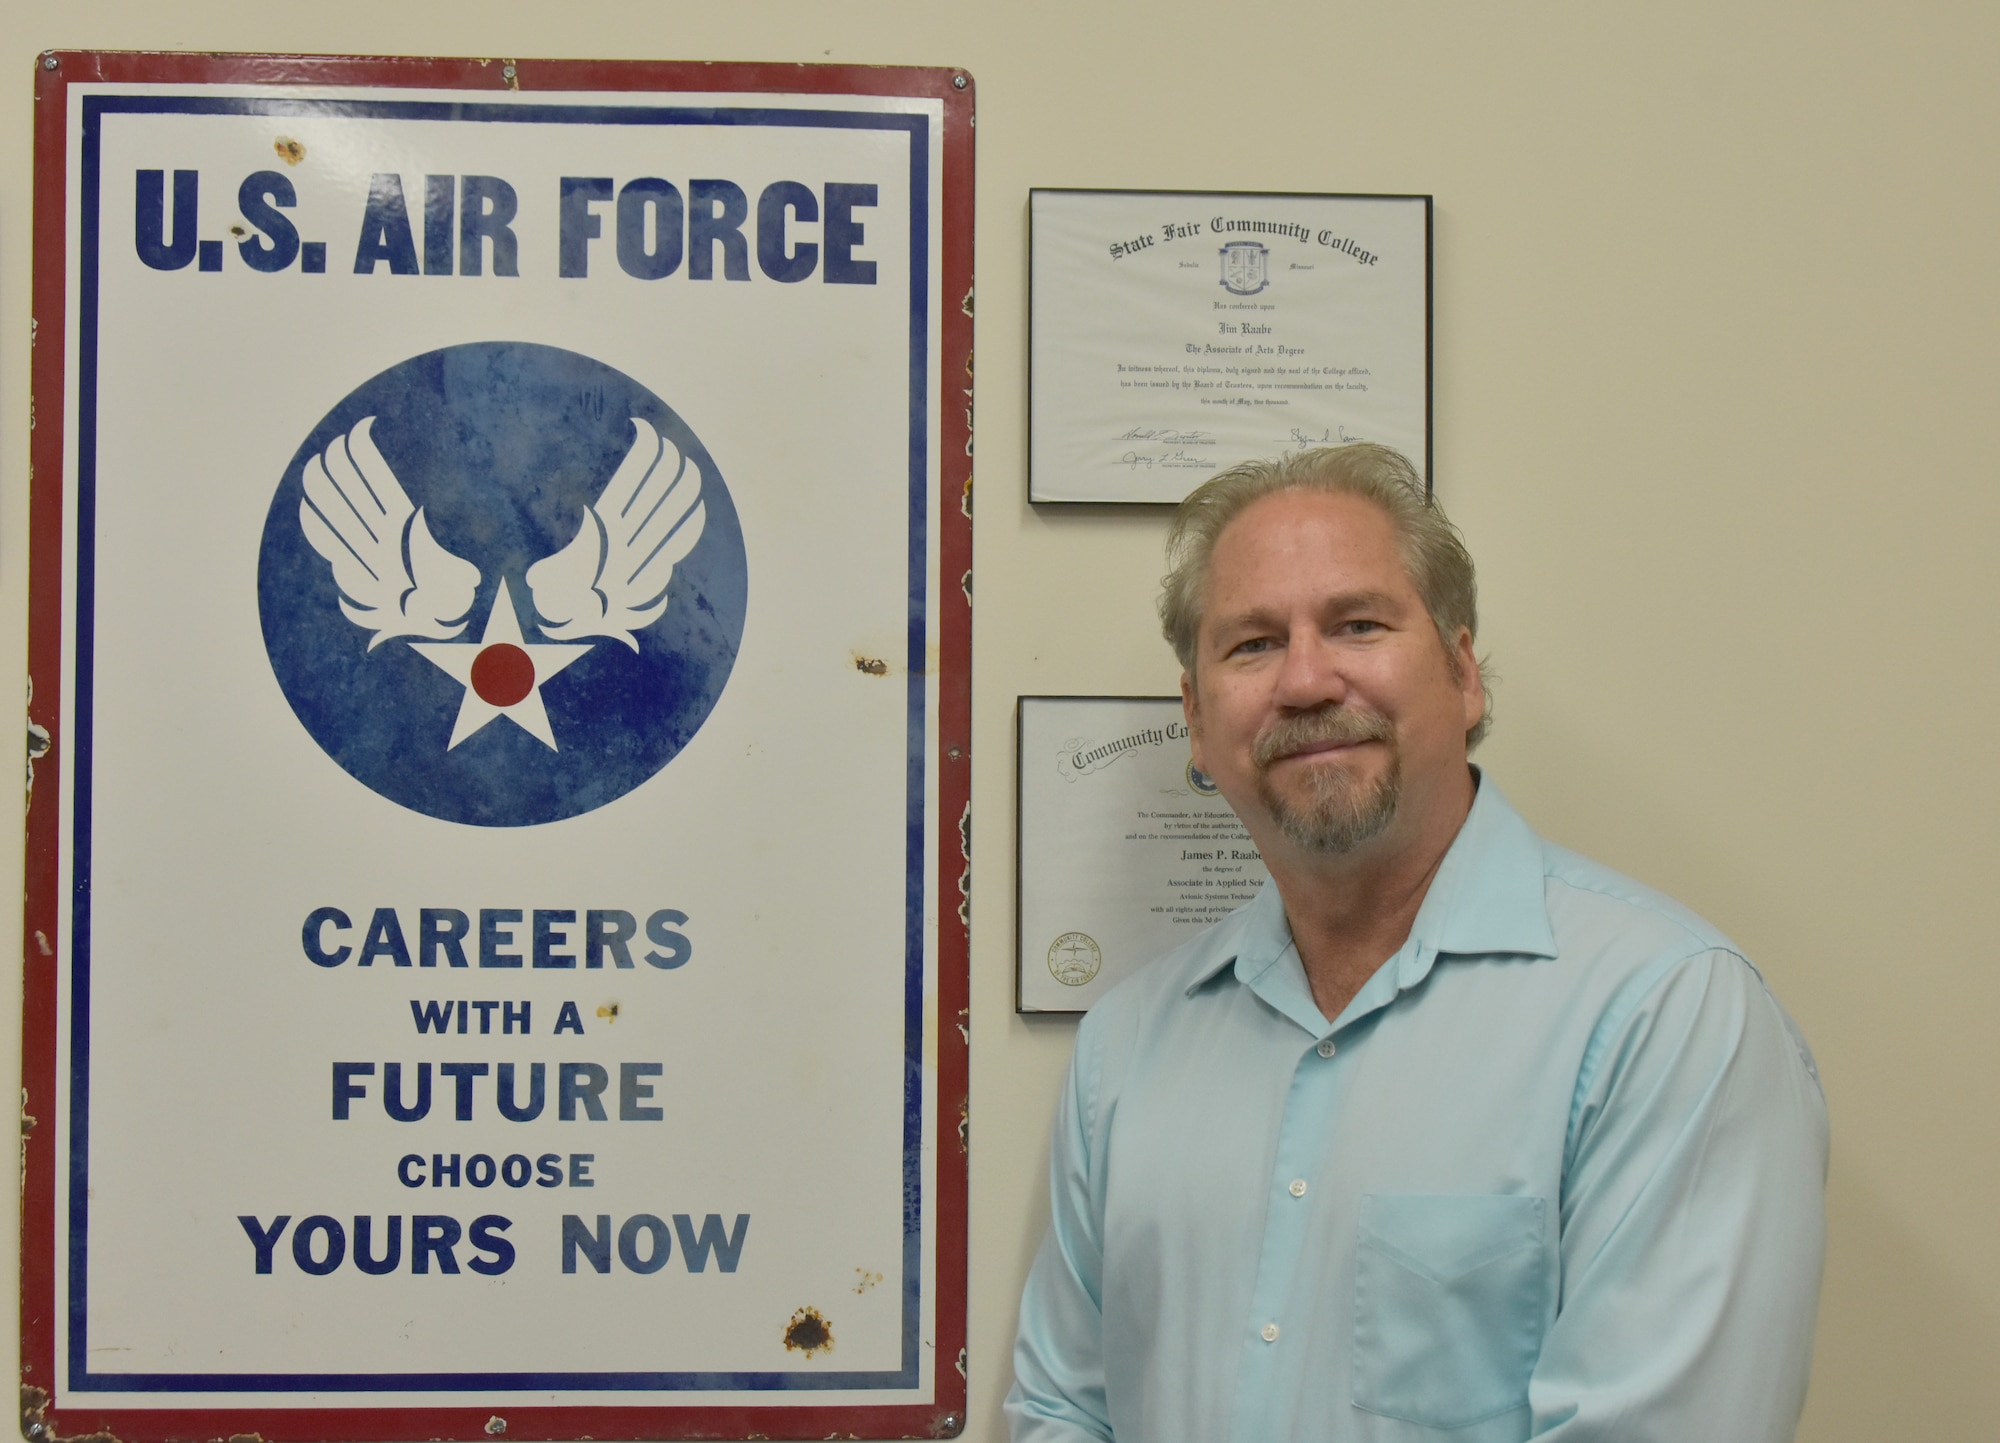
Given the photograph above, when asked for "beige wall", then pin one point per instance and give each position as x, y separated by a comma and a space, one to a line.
1718, 352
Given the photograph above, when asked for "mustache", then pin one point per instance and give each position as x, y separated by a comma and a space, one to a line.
1330, 724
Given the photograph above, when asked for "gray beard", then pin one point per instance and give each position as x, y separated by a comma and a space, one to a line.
1337, 815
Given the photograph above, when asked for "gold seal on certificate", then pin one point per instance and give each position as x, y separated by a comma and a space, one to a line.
1173, 333
1074, 958
1127, 848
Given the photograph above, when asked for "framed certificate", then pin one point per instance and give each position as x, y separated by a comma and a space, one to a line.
1126, 849
1176, 333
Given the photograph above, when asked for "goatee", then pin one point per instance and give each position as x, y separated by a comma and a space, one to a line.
1337, 813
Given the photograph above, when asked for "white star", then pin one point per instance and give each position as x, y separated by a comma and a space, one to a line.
502, 674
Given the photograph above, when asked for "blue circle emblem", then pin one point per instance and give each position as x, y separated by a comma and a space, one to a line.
502, 584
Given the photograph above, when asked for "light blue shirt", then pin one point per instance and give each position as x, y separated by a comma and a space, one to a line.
1556, 1172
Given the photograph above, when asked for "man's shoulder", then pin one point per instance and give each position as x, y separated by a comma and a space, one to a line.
1590, 903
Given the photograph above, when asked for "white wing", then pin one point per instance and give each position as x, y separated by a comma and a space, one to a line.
611, 579
394, 578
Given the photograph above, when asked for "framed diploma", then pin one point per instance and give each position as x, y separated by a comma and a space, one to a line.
1126, 850
1176, 333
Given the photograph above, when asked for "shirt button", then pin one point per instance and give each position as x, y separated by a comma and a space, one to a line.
1270, 1332
1326, 1048
1298, 1187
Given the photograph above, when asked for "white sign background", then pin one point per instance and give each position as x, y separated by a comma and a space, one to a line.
203, 1036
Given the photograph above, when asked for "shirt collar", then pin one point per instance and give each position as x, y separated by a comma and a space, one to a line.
1487, 898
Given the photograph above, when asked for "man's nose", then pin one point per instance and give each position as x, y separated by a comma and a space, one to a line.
1311, 675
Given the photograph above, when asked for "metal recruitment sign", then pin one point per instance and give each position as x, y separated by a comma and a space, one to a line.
496, 958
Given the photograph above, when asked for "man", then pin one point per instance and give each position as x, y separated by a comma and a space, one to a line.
1451, 1134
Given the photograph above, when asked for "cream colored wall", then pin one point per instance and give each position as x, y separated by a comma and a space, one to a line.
1718, 351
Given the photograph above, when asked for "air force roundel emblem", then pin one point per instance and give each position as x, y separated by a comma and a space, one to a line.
502, 584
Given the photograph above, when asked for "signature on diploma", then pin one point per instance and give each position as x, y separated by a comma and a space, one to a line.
1333, 436
1171, 460
1168, 438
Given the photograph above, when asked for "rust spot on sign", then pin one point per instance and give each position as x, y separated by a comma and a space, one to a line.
872, 665
289, 150
809, 1333
609, 1012
864, 1280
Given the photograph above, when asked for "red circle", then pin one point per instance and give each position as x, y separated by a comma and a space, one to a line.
502, 674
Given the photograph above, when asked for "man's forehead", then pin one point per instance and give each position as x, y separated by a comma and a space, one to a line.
1302, 534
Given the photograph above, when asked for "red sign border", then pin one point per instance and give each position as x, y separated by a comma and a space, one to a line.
45, 1418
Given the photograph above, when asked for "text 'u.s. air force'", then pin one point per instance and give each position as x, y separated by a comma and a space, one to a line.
646, 227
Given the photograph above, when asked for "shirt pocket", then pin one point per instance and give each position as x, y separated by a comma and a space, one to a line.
1450, 1293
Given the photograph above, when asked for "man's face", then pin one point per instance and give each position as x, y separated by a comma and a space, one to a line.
1323, 702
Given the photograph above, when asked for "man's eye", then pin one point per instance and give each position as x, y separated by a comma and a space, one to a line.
1359, 626
1251, 646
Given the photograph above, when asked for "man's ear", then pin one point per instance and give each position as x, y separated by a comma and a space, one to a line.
1471, 686
1191, 709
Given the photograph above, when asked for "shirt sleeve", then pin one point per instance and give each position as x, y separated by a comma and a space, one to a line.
1058, 1393
1693, 1220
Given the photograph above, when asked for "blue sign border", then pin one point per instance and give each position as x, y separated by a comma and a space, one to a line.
82, 1377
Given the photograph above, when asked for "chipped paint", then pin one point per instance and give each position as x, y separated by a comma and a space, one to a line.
870, 665
809, 1332
864, 1280
42, 941
496, 1425
28, 1123
289, 150
609, 1012
38, 747
965, 1125
965, 875
965, 585
35, 1424
965, 499
961, 1366
966, 304
39, 741
965, 1024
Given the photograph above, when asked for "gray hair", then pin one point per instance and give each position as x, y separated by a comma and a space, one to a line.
1434, 554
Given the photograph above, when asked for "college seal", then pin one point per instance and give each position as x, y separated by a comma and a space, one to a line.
1246, 267
1074, 958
